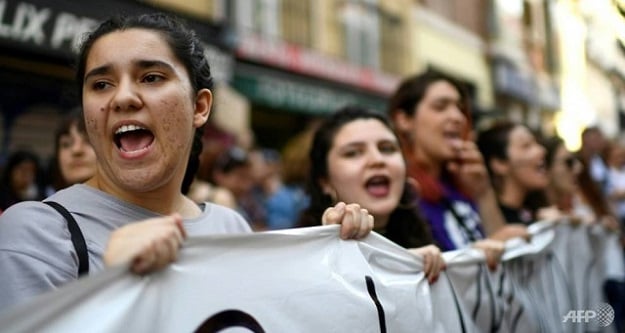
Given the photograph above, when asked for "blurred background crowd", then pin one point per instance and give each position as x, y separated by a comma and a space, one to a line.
553, 69
557, 66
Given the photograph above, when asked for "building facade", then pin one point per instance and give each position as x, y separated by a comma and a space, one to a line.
451, 36
556, 65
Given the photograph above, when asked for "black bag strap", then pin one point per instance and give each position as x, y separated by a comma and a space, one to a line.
77, 238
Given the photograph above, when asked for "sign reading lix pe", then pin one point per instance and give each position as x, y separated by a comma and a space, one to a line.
42, 27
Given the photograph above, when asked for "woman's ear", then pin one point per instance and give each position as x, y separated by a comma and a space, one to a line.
203, 103
499, 167
402, 121
328, 189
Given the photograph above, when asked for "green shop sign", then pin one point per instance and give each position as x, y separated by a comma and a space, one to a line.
301, 97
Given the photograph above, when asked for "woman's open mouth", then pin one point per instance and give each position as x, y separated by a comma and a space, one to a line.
133, 138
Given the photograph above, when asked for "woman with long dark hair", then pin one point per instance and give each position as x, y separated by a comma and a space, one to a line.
431, 115
516, 163
144, 83
355, 158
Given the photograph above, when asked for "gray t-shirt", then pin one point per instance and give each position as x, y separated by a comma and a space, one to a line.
36, 251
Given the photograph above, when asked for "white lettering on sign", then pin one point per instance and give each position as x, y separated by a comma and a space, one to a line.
579, 316
69, 27
27, 24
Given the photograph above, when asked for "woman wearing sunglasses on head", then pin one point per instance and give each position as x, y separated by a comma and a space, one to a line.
571, 188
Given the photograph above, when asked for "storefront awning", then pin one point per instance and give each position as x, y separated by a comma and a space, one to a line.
289, 92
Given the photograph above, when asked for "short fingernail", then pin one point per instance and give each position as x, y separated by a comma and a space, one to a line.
332, 215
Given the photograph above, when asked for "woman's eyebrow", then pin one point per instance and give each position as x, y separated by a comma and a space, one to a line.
153, 63
106, 68
98, 71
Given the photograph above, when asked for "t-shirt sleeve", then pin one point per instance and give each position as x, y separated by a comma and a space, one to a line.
36, 253
235, 223
223, 220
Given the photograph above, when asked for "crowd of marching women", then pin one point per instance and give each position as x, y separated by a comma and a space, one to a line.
126, 187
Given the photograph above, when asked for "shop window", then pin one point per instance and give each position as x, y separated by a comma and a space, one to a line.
394, 51
296, 21
258, 16
360, 20
442, 7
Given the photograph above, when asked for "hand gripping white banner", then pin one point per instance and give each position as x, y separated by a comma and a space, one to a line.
538, 283
300, 280
308, 280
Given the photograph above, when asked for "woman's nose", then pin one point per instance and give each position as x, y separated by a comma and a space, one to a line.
126, 97
78, 146
456, 114
376, 157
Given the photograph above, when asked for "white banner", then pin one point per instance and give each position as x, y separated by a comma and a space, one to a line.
308, 280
